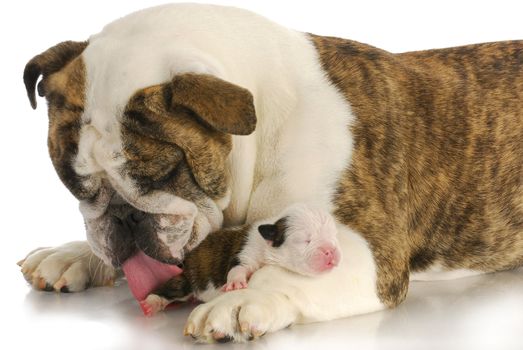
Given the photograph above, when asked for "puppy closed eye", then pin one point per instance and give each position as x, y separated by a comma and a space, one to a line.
300, 240
305, 241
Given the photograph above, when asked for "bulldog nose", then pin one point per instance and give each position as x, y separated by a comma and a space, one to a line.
135, 217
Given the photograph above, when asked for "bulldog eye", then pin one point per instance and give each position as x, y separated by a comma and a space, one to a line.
137, 216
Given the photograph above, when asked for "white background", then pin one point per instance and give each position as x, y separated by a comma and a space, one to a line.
37, 210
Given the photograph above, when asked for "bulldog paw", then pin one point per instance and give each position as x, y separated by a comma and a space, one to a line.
71, 267
239, 316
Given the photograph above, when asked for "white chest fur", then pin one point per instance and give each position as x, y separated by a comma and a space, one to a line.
288, 158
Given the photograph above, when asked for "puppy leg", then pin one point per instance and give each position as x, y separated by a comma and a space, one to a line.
153, 304
236, 278
177, 288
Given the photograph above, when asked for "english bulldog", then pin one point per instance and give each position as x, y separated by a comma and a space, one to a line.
178, 120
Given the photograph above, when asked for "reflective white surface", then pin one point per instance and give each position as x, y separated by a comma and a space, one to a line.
484, 312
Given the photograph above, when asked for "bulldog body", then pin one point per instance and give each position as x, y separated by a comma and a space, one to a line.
177, 120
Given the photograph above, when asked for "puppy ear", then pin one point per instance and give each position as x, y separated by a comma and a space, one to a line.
224, 106
48, 62
274, 234
268, 231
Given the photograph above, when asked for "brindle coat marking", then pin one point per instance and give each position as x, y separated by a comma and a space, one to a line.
437, 168
177, 137
63, 85
185, 124
436, 174
208, 262
174, 141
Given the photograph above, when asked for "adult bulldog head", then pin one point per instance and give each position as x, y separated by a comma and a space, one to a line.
146, 161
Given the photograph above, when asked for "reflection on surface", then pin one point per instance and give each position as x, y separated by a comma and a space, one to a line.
482, 312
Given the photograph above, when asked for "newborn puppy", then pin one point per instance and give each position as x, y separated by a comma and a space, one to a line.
302, 240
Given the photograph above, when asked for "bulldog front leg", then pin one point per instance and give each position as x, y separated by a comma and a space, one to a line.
277, 298
71, 267
241, 315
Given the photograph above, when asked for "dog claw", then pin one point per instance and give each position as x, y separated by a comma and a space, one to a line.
48, 287
60, 284
109, 283
256, 333
28, 274
41, 283
223, 339
244, 327
189, 329
218, 335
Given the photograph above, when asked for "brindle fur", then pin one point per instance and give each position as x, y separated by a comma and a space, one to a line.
63, 85
225, 107
48, 62
208, 263
176, 288
437, 167
166, 144
436, 172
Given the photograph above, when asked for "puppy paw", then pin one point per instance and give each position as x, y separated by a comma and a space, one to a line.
234, 285
153, 304
71, 267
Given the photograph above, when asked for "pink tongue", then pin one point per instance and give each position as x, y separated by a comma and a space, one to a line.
144, 274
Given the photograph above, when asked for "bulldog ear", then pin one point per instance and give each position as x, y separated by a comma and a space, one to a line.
224, 106
48, 62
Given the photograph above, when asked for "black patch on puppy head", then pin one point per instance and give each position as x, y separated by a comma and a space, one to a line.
274, 233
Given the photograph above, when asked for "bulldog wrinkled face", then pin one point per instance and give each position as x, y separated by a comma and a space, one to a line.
157, 180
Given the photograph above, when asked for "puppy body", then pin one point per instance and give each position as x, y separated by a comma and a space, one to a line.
302, 240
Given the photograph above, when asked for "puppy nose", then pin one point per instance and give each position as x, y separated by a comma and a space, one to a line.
329, 257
